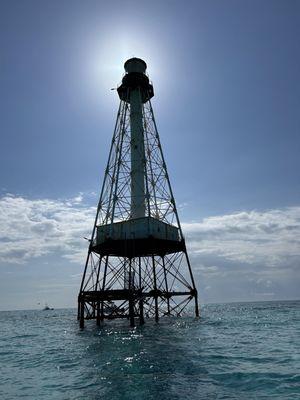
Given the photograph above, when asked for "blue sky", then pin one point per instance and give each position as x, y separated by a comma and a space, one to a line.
227, 94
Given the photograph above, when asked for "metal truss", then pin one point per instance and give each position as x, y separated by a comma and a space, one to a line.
153, 285
115, 199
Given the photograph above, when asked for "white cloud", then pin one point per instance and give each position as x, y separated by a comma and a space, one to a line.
240, 256
270, 238
33, 228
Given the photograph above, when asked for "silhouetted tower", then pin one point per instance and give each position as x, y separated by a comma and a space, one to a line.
137, 263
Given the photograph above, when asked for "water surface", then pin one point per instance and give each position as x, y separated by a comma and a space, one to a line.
235, 351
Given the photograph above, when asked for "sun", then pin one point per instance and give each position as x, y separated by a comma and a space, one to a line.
105, 58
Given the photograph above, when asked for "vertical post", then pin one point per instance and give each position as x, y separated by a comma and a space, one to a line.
155, 289
131, 300
103, 287
81, 322
196, 304
98, 319
141, 301
97, 287
78, 309
166, 283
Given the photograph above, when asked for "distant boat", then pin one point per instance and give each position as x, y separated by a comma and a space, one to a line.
46, 308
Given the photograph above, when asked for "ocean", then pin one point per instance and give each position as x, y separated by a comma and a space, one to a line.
234, 351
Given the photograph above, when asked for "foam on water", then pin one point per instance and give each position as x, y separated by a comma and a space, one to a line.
235, 351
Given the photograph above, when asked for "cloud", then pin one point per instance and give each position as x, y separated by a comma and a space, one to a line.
240, 256
34, 228
247, 255
270, 238
31, 228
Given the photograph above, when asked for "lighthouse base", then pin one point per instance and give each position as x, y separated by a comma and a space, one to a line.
132, 304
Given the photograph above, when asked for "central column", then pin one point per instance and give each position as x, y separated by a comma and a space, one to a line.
137, 155
136, 90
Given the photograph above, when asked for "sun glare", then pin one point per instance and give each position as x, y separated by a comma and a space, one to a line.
105, 60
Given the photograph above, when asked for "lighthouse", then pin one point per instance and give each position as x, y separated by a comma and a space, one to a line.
137, 265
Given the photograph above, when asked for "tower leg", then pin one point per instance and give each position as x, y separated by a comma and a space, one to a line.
141, 304
131, 311
78, 309
81, 322
166, 284
141, 301
156, 309
193, 283
98, 319
79, 313
103, 287
196, 304
155, 289
131, 300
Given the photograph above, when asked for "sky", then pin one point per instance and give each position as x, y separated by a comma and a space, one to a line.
227, 94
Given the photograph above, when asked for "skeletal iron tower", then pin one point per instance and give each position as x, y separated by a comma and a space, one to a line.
137, 263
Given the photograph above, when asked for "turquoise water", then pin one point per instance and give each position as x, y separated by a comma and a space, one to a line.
235, 351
